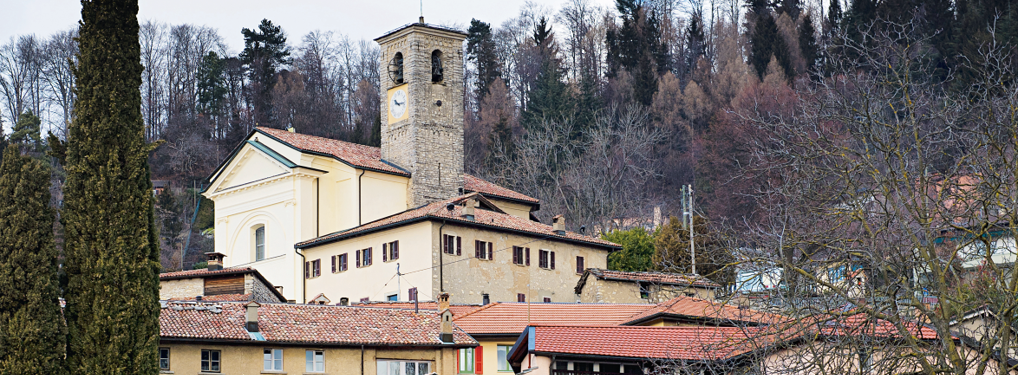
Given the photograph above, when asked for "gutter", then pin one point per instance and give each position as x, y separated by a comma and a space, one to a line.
441, 263
360, 199
303, 277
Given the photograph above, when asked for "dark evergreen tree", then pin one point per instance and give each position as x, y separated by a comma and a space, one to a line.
27, 133
858, 19
264, 52
32, 331
834, 15
767, 42
696, 45
111, 247
481, 50
211, 84
808, 43
790, 7
637, 47
549, 98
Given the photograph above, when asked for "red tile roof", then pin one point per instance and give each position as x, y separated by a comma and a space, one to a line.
218, 298
193, 274
502, 318
310, 324
699, 309
864, 325
649, 277
456, 310
476, 184
482, 217
676, 343
359, 156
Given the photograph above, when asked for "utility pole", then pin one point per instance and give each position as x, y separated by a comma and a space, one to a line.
687, 221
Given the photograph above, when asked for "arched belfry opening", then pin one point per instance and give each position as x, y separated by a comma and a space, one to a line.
436, 67
396, 68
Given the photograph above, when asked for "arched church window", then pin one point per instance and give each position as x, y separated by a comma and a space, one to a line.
396, 68
436, 66
259, 242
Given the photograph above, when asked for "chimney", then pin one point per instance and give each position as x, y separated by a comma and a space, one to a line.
443, 302
468, 209
559, 225
252, 316
215, 260
446, 315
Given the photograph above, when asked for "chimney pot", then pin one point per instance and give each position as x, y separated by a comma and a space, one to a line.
215, 262
252, 316
559, 225
446, 315
468, 209
197, 298
443, 302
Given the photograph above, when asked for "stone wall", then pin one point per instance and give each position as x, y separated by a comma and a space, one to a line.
429, 143
183, 288
258, 290
596, 290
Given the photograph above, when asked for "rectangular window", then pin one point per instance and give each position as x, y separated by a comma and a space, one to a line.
260, 243
579, 265
343, 261
483, 250
273, 359
547, 299
466, 360
339, 263
397, 367
390, 251
314, 361
503, 357
164, 359
392, 297
307, 270
210, 360
452, 245
521, 255
520, 297
546, 259
363, 257
316, 268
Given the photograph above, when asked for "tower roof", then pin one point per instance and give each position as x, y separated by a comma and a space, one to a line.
423, 26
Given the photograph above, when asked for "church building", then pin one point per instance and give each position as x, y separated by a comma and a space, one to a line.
318, 216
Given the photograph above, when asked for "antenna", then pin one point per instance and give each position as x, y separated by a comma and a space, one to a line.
422, 11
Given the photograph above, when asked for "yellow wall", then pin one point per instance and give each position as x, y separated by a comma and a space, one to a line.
512, 208
248, 359
181, 288
490, 349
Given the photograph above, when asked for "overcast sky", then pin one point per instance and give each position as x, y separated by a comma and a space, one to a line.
359, 19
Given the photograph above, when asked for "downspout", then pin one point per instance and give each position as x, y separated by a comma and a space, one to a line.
303, 278
441, 268
318, 205
362, 359
359, 198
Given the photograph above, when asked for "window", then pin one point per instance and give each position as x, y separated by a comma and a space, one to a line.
503, 357
483, 250
546, 259
579, 265
164, 358
466, 360
314, 361
392, 297
436, 66
390, 251
485, 299
452, 245
521, 255
547, 299
259, 243
520, 297
313, 269
339, 263
209, 360
396, 68
403, 367
363, 257
644, 291
273, 359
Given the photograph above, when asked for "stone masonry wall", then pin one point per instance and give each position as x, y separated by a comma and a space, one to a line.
259, 292
429, 143
184, 288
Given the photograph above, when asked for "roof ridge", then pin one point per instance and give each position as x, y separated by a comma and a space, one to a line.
263, 128
471, 312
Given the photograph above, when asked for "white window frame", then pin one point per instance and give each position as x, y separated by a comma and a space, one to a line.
161, 368
316, 362
503, 358
218, 361
383, 367
259, 247
272, 359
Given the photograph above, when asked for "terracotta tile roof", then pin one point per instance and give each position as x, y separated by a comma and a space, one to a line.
476, 184
482, 218
192, 274
649, 277
699, 309
218, 298
456, 310
311, 324
675, 343
359, 156
510, 318
864, 325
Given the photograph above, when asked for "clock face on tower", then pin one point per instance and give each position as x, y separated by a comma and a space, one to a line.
398, 102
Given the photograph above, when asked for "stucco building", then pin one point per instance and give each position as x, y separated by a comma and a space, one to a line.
352, 222
607, 286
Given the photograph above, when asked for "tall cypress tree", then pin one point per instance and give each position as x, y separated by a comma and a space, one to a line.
111, 250
32, 331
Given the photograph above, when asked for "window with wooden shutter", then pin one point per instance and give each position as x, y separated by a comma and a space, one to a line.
385, 252
579, 265
395, 249
341, 259
547, 299
316, 267
528, 256
520, 297
367, 256
516, 254
477, 249
307, 270
333, 263
357, 259
412, 294
552, 259
459, 245
542, 258
479, 355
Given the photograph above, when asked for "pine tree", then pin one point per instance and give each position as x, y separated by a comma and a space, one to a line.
808, 43
767, 42
481, 50
549, 98
27, 133
211, 84
637, 48
111, 247
32, 331
834, 15
264, 52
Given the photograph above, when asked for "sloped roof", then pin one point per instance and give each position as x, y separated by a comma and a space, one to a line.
864, 325
204, 272
648, 277
699, 309
355, 155
493, 219
476, 184
510, 318
456, 309
675, 343
218, 298
308, 324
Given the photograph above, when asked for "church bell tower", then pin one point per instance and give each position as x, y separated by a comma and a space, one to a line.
421, 74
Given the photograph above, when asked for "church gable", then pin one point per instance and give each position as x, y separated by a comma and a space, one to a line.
253, 162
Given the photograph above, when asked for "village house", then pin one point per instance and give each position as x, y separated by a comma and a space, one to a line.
216, 283
399, 222
203, 337
607, 286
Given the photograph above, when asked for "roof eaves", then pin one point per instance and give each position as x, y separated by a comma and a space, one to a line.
204, 275
341, 160
215, 172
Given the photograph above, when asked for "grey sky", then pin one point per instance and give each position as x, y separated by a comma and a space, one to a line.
364, 19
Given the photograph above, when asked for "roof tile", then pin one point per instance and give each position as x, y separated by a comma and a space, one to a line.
511, 318
356, 155
698, 308
473, 183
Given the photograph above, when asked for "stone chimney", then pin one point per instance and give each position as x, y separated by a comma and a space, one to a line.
443, 302
559, 225
252, 316
215, 261
443, 306
468, 209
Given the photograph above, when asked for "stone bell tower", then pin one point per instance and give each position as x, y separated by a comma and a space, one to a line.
422, 108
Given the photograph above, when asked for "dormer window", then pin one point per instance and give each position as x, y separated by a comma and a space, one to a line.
436, 67
259, 243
